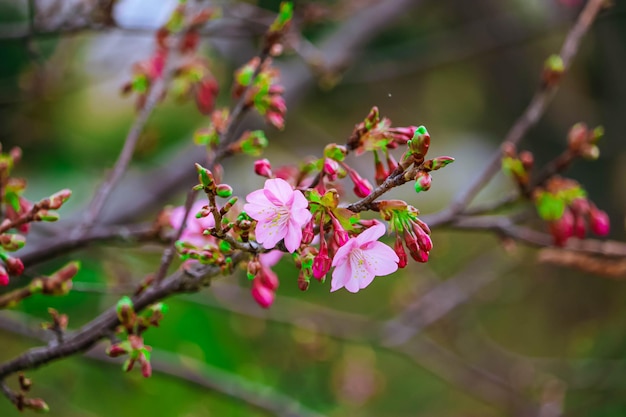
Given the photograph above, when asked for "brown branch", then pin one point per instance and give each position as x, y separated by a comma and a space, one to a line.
184, 368
57, 245
189, 280
98, 200
531, 115
504, 226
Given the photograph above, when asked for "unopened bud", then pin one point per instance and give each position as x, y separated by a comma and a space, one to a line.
553, 69
253, 143
57, 199
205, 176
422, 181
599, 222
335, 152
125, 311
36, 404
46, 216
420, 142
263, 168
14, 266
261, 294
224, 190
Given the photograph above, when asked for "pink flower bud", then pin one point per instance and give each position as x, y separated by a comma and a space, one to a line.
224, 190
423, 240
331, 168
391, 163
563, 228
321, 263
269, 279
340, 236
422, 181
308, 233
362, 187
15, 266
261, 294
146, 368
206, 92
599, 222
4, 277
579, 226
399, 249
380, 173
275, 119
116, 350
263, 168
401, 135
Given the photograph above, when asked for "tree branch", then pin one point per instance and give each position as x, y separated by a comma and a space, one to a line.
531, 115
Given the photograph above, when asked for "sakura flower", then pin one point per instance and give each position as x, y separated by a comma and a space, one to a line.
280, 212
362, 258
195, 228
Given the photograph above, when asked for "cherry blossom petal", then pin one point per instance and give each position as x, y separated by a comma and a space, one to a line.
299, 201
270, 258
343, 252
269, 233
366, 281
279, 189
341, 275
293, 236
373, 233
381, 259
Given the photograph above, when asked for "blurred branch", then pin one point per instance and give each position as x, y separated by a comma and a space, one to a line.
188, 280
504, 226
529, 118
184, 368
443, 298
425, 352
143, 232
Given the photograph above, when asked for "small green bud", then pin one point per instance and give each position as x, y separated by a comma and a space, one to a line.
224, 190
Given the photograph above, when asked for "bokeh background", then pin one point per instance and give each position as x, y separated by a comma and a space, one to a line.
553, 336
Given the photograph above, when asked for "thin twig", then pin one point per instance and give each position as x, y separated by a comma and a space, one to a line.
184, 280
533, 112
184, 368
56, 246
168, 253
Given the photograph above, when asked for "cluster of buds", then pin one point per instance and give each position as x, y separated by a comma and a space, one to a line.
582, 141
418, 147
278, 29
403, 220
259, 81
59, 323
193, 78
250, 143
132, 326
376, 134
561, 202
264, 280
58, 283
564, 205
20, 213
24, 403
518, 166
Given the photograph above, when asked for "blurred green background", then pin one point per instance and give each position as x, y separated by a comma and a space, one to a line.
465, 70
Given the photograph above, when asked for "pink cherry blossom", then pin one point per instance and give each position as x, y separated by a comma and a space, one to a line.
280, 212
362, 258
195, 228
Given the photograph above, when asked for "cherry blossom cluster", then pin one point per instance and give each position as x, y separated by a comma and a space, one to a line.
19, 213
131, 329
561, 202
299, 211
192, 76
